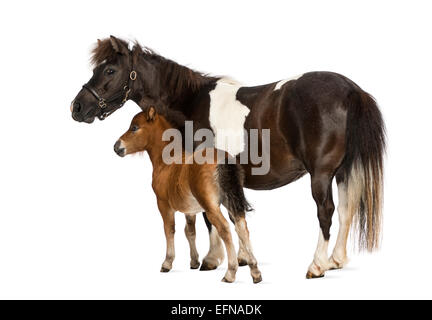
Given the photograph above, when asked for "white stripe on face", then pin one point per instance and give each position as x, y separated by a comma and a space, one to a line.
227, 116
282, 82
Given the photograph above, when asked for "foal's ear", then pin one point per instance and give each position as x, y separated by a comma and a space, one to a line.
118, 45
151, 114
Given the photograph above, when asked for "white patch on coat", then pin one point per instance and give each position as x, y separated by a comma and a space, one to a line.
339, 257
227, 116
191, 206
282, 82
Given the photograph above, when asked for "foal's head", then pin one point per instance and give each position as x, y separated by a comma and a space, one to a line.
141, 130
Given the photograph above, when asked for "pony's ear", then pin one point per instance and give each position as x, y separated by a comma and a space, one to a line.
151, 114
118, 45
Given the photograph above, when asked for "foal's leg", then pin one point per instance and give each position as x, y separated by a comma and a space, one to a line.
217, 219
322, 194
339, 257
215, 255
191, 235
169, 227
242, 255
243, 233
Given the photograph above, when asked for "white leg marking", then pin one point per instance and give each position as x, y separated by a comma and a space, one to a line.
191, 236
216, 253
339, 256
227, 116
243, 233
320, 262
282, 82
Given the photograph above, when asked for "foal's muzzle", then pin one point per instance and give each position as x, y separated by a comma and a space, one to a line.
119, 149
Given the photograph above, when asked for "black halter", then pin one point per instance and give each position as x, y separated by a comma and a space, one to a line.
102, 102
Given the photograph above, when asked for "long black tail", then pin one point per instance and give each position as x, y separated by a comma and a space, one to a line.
230, 178
363, 167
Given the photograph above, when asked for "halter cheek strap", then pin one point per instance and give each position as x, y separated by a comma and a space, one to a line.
102, 102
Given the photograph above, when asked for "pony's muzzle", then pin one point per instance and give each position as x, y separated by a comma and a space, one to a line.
119, 149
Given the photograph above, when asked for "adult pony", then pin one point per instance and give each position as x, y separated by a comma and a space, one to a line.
320, 123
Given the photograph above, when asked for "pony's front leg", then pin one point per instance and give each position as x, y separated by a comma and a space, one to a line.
167, 214
191, 235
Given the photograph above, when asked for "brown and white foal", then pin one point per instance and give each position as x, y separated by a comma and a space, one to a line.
191, 188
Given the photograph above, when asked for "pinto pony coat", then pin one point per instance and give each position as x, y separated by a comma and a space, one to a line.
320, 123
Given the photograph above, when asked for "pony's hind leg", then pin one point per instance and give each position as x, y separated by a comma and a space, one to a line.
221, 224
215, 255
191, 235
169, 228
245, 245
242, 255
339, 257
322, 194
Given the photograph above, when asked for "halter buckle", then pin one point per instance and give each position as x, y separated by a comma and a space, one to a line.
102, 103
133, 75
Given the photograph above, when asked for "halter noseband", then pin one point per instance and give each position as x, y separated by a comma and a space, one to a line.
102, 102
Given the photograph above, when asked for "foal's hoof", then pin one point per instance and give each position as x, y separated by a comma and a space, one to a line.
227, 280
242, 262
194, 264
310, 275
206, 266
257, 279
164, 270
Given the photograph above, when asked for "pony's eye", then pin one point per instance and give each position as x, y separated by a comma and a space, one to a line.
134, 128
110, 71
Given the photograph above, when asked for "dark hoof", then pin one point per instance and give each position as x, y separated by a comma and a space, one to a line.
194, 265
310, 275
207, 266
257, 280
336, 268
242, 262
227, 281
164, 270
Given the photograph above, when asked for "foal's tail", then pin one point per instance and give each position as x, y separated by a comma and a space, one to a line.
230, 178
363, 167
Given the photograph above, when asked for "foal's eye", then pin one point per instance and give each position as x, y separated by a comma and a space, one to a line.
134, 128
110, 71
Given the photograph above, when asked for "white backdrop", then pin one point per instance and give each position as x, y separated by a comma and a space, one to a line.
77, 221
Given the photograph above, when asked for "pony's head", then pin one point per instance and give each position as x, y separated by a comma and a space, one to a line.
139, 74
114, 75
137, 138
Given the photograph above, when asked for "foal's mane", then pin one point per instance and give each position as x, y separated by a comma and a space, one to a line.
173, 76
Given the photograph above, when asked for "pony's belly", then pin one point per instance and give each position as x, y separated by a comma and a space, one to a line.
189, 205
278, 176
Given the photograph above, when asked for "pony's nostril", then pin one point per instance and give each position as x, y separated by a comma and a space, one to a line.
76, 106
119, 149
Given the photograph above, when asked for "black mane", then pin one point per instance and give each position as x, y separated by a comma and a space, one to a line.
175, 78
